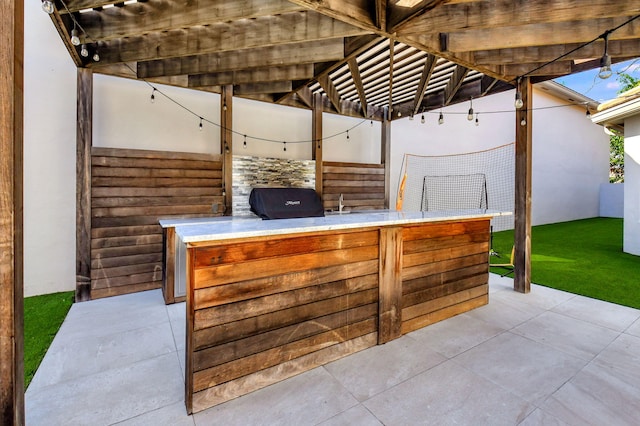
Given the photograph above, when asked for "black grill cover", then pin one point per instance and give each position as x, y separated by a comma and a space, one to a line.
283, 203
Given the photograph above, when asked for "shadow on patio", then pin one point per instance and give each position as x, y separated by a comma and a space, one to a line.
548, 357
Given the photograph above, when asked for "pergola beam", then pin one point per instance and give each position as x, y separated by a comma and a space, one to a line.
11, 214
259, 75
357, 81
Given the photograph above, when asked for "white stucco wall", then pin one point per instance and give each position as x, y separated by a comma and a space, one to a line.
631, 233
570, 154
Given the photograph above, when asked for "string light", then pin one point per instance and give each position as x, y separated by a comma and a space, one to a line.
224, 106
48, 6
244, 144
347, 135
153, 96
284, 143
605, 61
226, 147
518, 102
523, 122
96, 57
75, 40
422, 120
200, 125
83, 51
477, 120
470, 113
588, 113
441, 118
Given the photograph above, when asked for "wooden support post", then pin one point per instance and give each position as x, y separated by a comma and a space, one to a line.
522, 228
390, 285
11, 213
385, 155
84, 142
169, 262
316, 137
226, 145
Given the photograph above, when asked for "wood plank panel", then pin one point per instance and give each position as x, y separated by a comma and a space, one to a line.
131, 189
442, 314
390, 287
362, 185
263, 378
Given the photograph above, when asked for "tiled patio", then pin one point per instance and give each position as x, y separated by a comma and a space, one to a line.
546, 358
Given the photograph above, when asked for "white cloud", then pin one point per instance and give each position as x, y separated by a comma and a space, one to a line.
613, 85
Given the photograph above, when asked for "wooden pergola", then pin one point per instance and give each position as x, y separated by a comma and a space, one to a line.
377, 59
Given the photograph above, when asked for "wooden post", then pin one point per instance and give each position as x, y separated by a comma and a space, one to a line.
385, 155
522, 228
84, 141
316, 137
390, 285
11, 221
226, 146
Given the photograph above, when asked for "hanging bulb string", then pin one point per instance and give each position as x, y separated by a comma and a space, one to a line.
583, 45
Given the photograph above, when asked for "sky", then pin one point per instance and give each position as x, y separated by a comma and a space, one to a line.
588, 83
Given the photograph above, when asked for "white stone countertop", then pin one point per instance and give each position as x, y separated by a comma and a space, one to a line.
243, 227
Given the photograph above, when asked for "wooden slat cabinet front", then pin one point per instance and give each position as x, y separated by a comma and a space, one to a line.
263, 309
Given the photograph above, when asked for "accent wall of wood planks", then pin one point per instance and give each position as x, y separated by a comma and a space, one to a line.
362, 185
130, 191
263, 309
270, 308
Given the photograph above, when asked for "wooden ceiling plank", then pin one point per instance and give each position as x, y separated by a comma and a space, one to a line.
547, 53
541, 34
259, 75
557, 68
354, 12
246, 34
290, 54
503, 13
454, 83
357, 81
399, 15
429, 65
258, 88
331, 92
381, 14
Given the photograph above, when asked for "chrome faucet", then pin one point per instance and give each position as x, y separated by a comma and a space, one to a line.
340, 203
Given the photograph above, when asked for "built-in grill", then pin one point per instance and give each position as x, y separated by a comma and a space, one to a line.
283, 203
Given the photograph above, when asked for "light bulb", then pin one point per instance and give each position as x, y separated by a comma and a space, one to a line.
441, 119
422, 119
411, 117
48, 7
153, 96
224, 107
470, 114
523, 122
347, 135
518, 103
399, 114
75, 40
83, 51
96, 57
477, 121
588, 113
200, 125
605, 70
285, 146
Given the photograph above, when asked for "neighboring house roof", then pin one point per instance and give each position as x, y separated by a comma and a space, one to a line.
569, 95
613, 112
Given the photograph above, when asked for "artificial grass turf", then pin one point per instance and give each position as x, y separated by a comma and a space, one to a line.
583, 257
43, 316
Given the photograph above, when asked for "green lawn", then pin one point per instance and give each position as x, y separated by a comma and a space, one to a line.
43, 316
582, 257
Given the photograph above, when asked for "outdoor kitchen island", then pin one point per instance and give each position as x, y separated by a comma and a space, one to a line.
269, 299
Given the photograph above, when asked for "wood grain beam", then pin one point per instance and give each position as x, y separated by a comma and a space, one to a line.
357, 81
540, 34
290, 54
522, 207
241, 35
381, 14
84, 136
542, 54
398, 15
354, 12
253, 88
143, 18
454, 83
259, 75
11, 214
331, 91
429, 65
503, 13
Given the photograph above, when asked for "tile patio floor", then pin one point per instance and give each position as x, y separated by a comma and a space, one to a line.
546, 358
